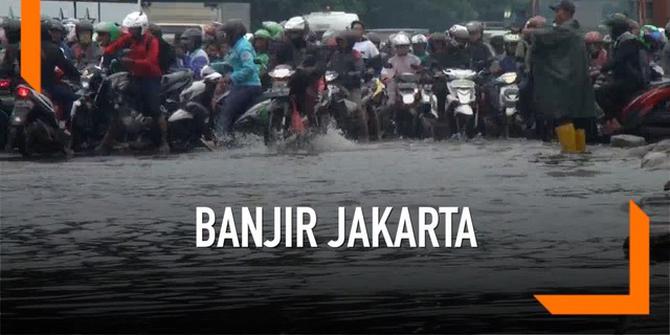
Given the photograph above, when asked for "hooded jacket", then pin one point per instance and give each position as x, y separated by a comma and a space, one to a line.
560, 62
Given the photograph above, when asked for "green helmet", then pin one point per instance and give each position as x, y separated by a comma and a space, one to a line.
110, 28
275, 29
262, 33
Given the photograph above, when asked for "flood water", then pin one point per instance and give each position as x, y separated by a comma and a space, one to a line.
107, 244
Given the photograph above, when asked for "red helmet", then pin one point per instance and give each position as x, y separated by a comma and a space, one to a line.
594, 37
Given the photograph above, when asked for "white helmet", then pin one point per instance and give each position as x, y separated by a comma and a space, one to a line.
295, 23
419, 39
136, 20
400, 39
459, 32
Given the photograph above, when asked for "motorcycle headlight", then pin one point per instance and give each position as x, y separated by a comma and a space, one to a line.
84, 85
508, 78
408, 99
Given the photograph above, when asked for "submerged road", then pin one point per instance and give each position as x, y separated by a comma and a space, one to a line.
108, 244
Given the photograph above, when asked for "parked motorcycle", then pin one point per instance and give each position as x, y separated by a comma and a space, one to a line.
33, 125
648, 115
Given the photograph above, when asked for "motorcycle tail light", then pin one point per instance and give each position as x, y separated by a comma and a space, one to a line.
4, 83
22, 92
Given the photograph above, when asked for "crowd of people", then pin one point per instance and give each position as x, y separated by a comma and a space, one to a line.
558, 63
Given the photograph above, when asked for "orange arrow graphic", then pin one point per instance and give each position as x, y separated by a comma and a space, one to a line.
30, 43
636, 302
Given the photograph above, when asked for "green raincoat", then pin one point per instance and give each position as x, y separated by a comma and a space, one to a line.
562, 88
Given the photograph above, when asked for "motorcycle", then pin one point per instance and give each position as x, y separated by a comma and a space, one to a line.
6, 106
190, 122
374, 101
336, 105
415, 109
648, 115
507, 116
462, 99
89, 120
275, 116
33, 125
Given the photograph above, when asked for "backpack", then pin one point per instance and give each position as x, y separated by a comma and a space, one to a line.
166, 55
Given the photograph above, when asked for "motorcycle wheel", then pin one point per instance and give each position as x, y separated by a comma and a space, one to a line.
466, 125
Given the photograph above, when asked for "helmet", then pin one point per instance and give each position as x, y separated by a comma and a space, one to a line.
275, 29
327, 36
374, 38
419, 39
400, 39
262, 34
12, 29
296, 24
84, 25
233, 30
438, 37
651, 37
193, 34
56, 25
594, 37
110, 28
475, 27
136, 20
459, 32
511, 38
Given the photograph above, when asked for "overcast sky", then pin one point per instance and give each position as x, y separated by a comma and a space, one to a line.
108, 11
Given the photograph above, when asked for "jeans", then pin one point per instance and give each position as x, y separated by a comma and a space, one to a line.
239, 99
62, 95
148, 96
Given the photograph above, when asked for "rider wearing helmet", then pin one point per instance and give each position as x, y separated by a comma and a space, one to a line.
52, 58
595, 45
420, 47
629, 74
244, 79
106, 33
142, 61
196, 58
57, 32
458, 52
262, 39
9, 68
402, 62
294, 50
349, 64
86, 51
481, 53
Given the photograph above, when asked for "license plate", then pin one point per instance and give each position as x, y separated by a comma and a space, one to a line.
23, 104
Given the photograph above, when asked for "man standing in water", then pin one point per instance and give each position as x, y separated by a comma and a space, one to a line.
563, 91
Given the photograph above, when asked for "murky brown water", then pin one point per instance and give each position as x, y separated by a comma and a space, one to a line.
108, 244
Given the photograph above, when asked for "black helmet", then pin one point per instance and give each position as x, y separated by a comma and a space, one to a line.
57, 25
348, 36
374, 38
194, 35
232, 30
84, 25
12, 29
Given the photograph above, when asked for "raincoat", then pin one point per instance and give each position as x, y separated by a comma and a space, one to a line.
559, 66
